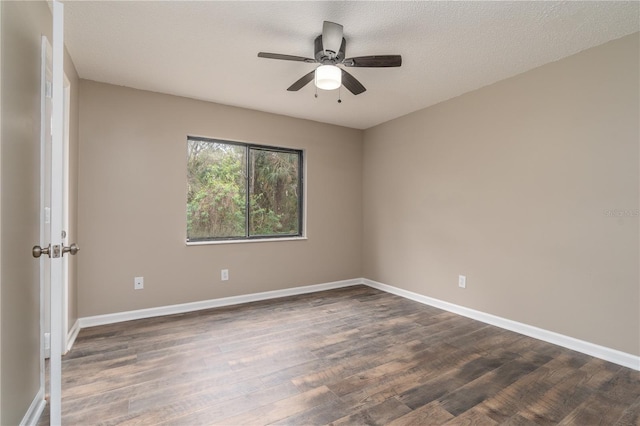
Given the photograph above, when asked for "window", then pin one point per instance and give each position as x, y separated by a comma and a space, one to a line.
242, 191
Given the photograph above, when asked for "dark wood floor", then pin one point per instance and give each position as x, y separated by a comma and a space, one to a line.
349, 356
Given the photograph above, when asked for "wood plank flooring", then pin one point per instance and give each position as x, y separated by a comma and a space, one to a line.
350, 356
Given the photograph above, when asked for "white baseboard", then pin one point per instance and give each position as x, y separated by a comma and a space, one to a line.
71, 336
602, 352
208, 304
35, 410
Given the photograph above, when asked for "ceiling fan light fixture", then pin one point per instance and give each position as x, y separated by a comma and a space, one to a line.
328, 77
329, 51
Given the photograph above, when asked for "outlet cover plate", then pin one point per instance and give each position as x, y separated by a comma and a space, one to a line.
462, 281
138, 283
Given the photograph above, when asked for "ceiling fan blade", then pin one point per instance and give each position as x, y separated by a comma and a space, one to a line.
351, 83
377, 61
302, 82
331, 38
285, 57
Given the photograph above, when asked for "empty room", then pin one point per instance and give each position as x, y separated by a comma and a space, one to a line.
309, 213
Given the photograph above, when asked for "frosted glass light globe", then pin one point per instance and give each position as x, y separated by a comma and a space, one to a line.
328, 77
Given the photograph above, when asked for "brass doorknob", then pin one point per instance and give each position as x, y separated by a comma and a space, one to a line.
38, 251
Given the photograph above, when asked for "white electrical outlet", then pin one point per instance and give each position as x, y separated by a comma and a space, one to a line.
138, 283
462, 281
224, 274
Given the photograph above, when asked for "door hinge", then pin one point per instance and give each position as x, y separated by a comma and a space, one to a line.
48, 89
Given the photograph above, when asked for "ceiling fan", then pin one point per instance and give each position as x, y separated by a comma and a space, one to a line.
329, 48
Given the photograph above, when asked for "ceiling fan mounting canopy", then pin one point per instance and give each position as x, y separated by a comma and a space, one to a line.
329, 49
331, 38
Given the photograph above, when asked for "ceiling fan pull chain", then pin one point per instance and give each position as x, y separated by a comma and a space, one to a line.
339, 94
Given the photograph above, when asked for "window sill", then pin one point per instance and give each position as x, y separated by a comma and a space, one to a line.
261, 240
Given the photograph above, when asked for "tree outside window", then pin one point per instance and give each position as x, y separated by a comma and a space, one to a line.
242, 191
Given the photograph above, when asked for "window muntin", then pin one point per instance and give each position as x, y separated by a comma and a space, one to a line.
242, 191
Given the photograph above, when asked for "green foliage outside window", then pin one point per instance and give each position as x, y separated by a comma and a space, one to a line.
230, 182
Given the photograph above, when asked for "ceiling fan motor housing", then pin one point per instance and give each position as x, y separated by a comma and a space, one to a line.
322, 57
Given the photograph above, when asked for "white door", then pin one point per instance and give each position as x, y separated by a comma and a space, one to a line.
45, 198
52, 236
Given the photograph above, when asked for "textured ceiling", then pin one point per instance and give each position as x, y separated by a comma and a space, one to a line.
207, 50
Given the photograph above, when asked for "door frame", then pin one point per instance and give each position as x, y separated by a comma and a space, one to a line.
44, 118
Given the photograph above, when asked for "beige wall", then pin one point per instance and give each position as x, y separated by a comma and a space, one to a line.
132, 209
21, 29
510, 185
22, 24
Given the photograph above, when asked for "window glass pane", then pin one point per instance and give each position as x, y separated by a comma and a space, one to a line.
216, 192
242, 191
274, 195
